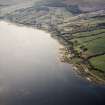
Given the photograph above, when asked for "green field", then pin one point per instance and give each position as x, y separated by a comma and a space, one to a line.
98, 62
90, 45
93, 41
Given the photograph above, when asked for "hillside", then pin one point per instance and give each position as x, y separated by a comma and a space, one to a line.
88, 5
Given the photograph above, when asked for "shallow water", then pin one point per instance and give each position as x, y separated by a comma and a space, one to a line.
31, 73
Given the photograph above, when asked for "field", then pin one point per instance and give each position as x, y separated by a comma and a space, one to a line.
98, 62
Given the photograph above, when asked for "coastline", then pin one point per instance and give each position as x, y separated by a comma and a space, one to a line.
62, 29
68, 55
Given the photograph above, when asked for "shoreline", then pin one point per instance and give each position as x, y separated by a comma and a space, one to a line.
81, 68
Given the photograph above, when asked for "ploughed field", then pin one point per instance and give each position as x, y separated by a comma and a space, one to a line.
82, 33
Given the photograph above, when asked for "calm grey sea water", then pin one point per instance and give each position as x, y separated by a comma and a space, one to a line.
31, 73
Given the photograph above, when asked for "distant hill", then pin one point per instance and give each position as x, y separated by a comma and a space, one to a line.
88, 5
85, 5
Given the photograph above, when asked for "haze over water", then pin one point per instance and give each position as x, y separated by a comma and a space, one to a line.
31, 73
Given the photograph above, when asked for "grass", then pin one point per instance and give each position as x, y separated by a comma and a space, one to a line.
88, 33
98, 62
96, 46
94, 41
